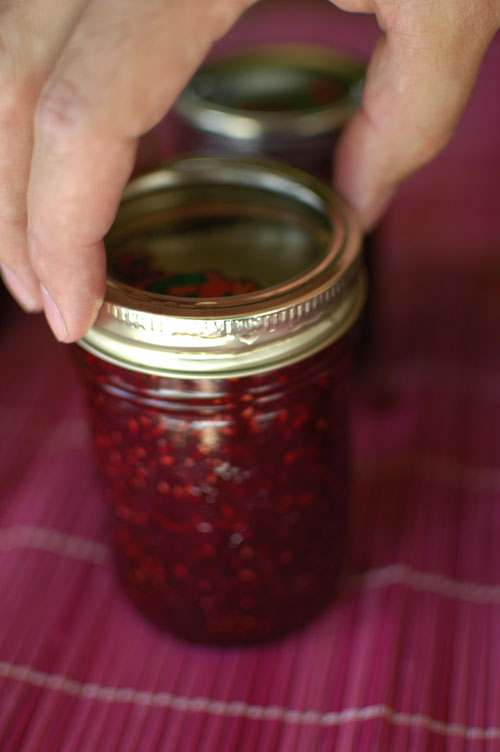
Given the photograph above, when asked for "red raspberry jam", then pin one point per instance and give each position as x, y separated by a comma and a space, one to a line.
140, 269
217, 376
229, 496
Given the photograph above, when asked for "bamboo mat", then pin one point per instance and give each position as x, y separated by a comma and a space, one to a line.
408, 657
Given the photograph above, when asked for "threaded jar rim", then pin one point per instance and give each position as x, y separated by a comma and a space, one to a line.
198, 107
248, 333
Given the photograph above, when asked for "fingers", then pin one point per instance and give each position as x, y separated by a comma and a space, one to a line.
31, 37
125, 65
419, 79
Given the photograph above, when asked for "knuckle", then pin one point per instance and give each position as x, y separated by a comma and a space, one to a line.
60, 109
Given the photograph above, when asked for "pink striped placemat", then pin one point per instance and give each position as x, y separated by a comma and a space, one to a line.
408, 658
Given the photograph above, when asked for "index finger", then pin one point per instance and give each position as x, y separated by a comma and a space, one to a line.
32, 35
125, 66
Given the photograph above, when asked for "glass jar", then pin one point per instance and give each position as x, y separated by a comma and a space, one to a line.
217, 377
285, 101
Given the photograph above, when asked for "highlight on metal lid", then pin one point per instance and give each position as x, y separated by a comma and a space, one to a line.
226, 267
296, 90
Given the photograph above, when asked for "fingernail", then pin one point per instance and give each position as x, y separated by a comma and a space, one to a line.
53, 315
95, 310
19, 290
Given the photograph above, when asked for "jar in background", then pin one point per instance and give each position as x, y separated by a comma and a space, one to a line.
217, 377
286, 101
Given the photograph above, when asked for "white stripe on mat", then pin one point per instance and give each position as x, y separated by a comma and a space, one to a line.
427, 582
234, 709
93, 552
54, 541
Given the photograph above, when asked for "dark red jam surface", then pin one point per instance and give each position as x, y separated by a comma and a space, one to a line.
228, 495
139, 268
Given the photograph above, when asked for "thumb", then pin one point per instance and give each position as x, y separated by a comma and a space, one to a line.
419, 79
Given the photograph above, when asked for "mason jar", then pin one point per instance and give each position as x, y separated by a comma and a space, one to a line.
218, 377
286, 101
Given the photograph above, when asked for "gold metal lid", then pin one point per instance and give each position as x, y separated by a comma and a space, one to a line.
278, 225
289, 90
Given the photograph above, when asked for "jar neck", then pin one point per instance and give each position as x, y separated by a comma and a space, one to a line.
263, 387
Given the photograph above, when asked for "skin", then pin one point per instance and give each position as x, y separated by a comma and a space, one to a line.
73, 104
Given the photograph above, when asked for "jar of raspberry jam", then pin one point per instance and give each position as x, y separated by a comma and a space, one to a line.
217, 377
286, 101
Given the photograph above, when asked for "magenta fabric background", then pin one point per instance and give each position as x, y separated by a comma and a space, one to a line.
408, 658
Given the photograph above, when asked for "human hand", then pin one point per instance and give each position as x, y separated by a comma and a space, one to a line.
421, 74
82, 80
